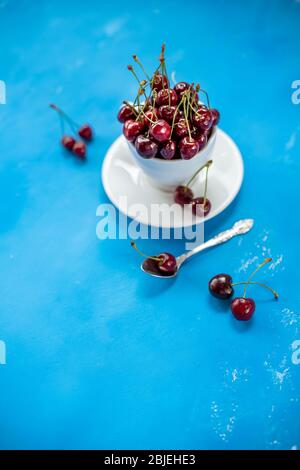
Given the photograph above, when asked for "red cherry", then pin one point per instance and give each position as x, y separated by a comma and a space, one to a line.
146, 147
166, 96
180, 88
199, 209
79, 149
203, 119
188, 148
242, 308
215, 116
168, 263
167, 112
183, 195
168, 150
68, 142
181, 129
202, 141
125, 113
151, 115
160, 131
159, 81
220, 286
132, 129
86, 132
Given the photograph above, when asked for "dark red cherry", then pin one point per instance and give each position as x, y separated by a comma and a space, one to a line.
79, 148
168, 150
188, 148
159, 81
168, 263
166, 96
167, 112
199, 209
180, 88
160, 131
220, 286
215, 116
125, 113
242, 308
132, 129
68, 142
183, 195
86, 132
145, 147
181, 129
151, 115
203, 119
200, 136
202, 141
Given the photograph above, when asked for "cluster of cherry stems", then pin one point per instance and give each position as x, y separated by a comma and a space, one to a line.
166, 122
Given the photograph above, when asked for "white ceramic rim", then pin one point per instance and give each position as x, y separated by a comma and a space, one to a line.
198, 220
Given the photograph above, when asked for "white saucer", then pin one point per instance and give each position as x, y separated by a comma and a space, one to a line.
127, 187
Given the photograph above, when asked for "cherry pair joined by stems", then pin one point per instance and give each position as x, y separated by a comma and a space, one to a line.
164, 262
201, 206
221, 287
69, 142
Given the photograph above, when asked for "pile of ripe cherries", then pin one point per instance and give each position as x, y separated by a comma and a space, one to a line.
165, 122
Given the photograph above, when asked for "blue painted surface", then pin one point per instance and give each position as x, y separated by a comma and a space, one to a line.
97, 355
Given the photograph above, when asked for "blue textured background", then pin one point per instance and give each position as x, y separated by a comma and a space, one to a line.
98, 355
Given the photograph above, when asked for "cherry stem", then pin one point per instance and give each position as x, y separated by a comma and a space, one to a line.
205, 187
130, 106
207, 98
176, 112
186, 117
62, 114
137, 60
267, 260
155, 258
276, 295
198, 171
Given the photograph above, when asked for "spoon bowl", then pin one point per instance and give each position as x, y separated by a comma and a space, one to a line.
239, 228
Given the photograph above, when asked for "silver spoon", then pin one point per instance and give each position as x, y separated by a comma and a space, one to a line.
239, 228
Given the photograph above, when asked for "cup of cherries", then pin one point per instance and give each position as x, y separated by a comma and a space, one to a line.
170, 132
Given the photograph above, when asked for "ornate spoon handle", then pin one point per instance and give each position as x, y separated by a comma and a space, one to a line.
239, 228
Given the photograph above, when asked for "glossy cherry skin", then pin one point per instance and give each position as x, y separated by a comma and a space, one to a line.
159, 81
167, 97
145, 147
132, 129
180, 88
203, 119
86, 132
168, 150
200, 136
79, 148
215, 116
188, 148
150, 115
242, 308
125, 113
168, 263
183, 195
167, 112
220, 286
68, 142
181, 129
160, 130
199, 209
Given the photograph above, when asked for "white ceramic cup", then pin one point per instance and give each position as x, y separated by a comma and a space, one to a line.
168, 174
